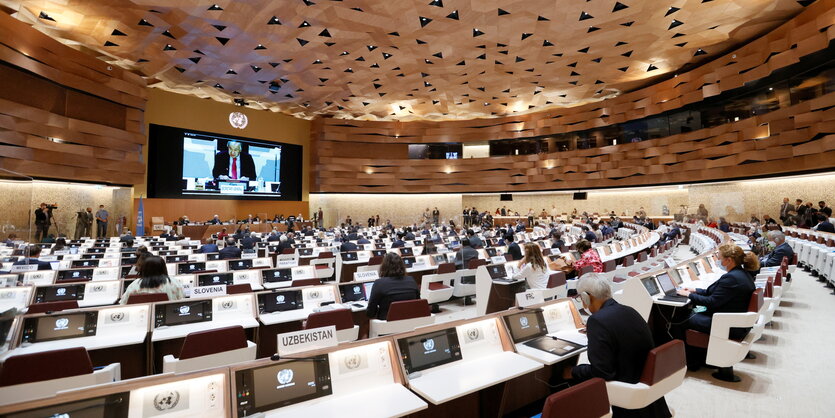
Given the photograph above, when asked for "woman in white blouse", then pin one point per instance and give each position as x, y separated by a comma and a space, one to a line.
533, 268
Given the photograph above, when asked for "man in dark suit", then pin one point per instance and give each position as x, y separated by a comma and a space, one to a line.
825, 209
475, 241
43, 219
363, 240
619, 340
513, 248
347, 246
208, 247
823, 224
230, 251
785, 208
398, 243
465, 254
352, 236
274, 236
781, 249
34, 252
214, 221
409, 235
234, 164
248, 241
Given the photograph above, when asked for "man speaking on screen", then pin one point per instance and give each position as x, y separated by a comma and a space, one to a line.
234, 164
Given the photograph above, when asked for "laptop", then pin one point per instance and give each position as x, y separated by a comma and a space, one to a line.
668, 286
528, 328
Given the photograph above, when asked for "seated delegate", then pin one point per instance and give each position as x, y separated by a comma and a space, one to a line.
34, 252
533, 268
731, 293
154, 280
619, 340
465, 254
588, 257
392, 286
781, 249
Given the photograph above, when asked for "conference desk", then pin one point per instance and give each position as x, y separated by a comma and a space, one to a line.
203, 231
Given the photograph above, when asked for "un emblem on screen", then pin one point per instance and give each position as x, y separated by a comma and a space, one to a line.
284, 376
523, 321
184, 310
166, 400
429, 344
62, 323
238, 120
61, 291
353, 361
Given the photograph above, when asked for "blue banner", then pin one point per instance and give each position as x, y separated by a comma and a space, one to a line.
140, 219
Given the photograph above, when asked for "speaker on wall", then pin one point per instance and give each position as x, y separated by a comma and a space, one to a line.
580, 196
505, 197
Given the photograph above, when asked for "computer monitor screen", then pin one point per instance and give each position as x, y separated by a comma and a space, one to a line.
240, 264
58, 327
426, 351
58, 293
353, 292
491, 252
439, 258
278, 385
5, 329
186, 268
406, 251
305, 251
277, 275
526, 325
650, 285
83, 274
674, 273
497, 271
408, 261
287, 300
114, 405
179, 313
666, 282
78, 264
712, 262
378, 253
214, 279
698, 268
176, 258
349, 256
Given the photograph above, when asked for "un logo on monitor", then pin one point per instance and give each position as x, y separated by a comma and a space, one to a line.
284, 376
523, 321
62, 323
166, 400
279, 299
429, 344
184, 310
61, 291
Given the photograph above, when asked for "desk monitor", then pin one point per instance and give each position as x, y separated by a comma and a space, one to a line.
698, 268
667, 284
491, 252
240, 264
378, 253
5, 329
526, 325
176, 258
306, 251
406, 251
712, 262
93, 256
159, 248
80, 264
352, 292
164, 253
187, 268
286, 300
115, 405
277, 385
96, 250
418, 242
277, 275
380, 246
439, 258
425, 351
59, 327
213, 256
81, 274
213, 279
455, 244
184, 312
497, 271
676, 276
128, 259
650, 285
125, 270
349, 256
127, 250
409, 261
58, 293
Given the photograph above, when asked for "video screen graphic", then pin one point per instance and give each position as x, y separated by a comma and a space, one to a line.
187, 163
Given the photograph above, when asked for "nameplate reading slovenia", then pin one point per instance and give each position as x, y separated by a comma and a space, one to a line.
306, 340
366, 276
208, 291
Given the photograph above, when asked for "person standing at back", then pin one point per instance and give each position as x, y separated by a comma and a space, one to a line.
154, 279
619, 341
785, 208
43, 219
101, 222
392, 286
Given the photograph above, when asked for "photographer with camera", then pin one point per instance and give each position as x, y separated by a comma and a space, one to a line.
43, 219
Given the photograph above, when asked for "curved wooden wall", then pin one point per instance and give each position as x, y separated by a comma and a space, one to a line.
787, 140
53, 91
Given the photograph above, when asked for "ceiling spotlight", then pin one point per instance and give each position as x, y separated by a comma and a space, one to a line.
241, 102
44, 16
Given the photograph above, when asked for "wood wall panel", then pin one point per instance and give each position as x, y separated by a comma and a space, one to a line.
65, 114
791, 139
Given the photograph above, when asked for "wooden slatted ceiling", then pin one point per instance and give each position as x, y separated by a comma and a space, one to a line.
417, 59
68, 115
807, 33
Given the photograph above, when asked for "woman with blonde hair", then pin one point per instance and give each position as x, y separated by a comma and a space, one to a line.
730, 294
533, 268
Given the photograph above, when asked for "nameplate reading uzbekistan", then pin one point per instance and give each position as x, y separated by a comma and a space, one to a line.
306, 340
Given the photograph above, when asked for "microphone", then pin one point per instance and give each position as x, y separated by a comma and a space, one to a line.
277, 357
